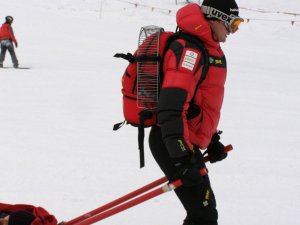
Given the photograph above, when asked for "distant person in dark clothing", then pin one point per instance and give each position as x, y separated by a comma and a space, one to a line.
7, 39
21, 217
22, 214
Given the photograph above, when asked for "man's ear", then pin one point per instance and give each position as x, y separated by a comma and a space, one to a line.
4, 221
213, 21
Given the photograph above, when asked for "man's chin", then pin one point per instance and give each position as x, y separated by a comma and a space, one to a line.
222, 39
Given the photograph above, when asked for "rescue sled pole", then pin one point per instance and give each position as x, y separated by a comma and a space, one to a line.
131, 203
117, 201
94, 215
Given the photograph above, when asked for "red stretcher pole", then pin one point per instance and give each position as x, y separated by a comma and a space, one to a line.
107, 210
131, 203
117, 201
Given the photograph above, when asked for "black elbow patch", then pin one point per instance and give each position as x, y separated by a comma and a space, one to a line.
177, 49
170, 107
172, 99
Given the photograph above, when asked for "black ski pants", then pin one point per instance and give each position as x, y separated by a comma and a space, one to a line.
8, 45
199, 200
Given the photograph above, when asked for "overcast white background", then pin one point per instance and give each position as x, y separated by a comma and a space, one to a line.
57, 146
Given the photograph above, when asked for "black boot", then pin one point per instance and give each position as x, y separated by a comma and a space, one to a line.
187, 221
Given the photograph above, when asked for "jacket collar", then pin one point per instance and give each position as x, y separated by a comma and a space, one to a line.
190, 19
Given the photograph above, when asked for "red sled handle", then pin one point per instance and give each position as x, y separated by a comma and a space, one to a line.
116, 206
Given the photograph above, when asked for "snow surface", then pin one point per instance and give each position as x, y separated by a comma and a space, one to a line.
57, 144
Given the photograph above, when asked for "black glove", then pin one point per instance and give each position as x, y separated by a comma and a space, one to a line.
188, 168
16, 44
215, 150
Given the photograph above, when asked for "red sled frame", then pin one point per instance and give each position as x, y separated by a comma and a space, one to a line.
116, 206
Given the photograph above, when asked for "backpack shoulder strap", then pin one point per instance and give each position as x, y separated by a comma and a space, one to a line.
205, 57
200, 46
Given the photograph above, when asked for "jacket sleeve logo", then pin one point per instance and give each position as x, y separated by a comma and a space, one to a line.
189, 60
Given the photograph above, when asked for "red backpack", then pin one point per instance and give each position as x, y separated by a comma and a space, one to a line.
42, 216
142, 79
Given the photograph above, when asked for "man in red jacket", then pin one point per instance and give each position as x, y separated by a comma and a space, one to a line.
188, 114
7, 39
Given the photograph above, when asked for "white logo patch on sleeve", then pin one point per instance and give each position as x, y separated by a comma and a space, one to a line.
189, 60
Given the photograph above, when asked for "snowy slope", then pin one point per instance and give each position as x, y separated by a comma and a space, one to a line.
58, 147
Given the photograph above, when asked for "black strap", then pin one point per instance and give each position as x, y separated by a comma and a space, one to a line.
117, 126
144, 115
141, 137
205, 56
129, 57
151, 58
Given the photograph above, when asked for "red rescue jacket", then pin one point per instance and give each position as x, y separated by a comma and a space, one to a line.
6, 32
182, 68
42, 216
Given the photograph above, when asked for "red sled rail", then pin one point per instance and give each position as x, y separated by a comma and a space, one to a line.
129, 200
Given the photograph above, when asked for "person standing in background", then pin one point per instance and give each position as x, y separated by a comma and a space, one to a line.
7, 38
